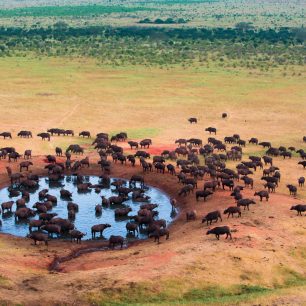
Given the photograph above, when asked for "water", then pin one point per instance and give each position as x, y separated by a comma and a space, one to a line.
85, 217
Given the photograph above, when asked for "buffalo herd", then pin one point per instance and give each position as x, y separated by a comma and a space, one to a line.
184, 162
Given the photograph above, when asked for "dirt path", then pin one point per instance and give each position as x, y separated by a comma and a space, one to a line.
69, 114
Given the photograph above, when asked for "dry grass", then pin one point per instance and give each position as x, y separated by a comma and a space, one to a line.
79, 95
266, 253
155, 103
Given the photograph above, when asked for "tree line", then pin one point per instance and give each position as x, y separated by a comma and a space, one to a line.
236, 47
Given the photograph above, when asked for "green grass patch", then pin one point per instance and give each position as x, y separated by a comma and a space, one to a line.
222, 295
4, 282
144, 294
63, 11
139, 133
172, 292
258, 153
292, 278
64, 142
180, 2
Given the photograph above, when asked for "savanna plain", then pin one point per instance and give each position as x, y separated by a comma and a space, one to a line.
145, 68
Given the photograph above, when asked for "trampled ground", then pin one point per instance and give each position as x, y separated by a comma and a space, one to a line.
265, 262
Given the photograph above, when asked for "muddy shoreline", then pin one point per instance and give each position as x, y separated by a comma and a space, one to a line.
117, 170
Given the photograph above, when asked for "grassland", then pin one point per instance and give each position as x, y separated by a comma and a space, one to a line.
160, 98
152, 103
202, 13
63, 11
213, 295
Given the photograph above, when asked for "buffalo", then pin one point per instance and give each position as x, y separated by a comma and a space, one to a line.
265, 144
145, 143
132, 227
253, 141
299, 208
193, 120
301, 181
25, 134
220, 230
38, 236
211, 130
203, 194
25, 165
58, 151
212, 216
65, 194
76, 235
6, 135
7, 206
24, 213
159, 232
133, 144
228, 183
115, 240
191, 215
85, 134
303, 163
44, 136
122, 212
271, 186
27, 154
98, 228
232, 210
245, 203
36, 223
52, 229
292, 189
262, 194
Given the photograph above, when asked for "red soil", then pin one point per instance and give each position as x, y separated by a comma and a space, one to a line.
267, 228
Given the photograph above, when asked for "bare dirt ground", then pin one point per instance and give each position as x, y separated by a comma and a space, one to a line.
267, 242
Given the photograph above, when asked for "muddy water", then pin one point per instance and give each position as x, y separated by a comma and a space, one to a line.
86, 216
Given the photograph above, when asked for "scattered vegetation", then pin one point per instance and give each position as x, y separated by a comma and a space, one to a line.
227, 34
200, 13
63, 11
5, 282
253, 49
161, 21
145, 294
172, 293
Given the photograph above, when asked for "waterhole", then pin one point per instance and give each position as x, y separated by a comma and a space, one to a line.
86, 217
